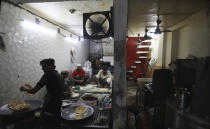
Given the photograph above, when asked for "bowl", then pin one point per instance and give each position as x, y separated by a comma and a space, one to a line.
89, 100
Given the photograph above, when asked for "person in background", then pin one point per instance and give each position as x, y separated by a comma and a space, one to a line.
78, 75
96, 66
67, 88
110, 67
104, 77
88, 71
54, 84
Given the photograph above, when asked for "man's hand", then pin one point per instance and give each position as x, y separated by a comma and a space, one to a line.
22, 88
80, 81
77, 81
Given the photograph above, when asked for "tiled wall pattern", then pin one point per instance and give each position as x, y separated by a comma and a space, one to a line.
25, 47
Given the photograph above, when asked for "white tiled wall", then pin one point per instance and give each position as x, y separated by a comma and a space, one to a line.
25, 47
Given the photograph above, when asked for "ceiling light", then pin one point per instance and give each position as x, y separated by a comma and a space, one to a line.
71, 39
37, 27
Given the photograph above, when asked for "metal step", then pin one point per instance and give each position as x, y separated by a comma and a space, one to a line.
143, 46
144, 43
137, 62
143, 57
130, 71
133, 66
130, 78
142, 52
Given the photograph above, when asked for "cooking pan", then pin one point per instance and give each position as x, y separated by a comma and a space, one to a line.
35, 105
69, 113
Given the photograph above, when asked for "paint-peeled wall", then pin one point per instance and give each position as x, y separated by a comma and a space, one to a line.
108, 47
25, 47
102, 48
108, 50
192, 38
96, 49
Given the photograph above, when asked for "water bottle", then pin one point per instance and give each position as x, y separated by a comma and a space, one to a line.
181, 106
183, 99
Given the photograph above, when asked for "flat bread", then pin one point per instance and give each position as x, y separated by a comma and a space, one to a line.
28, 86
79, 116
18, 105
81, 109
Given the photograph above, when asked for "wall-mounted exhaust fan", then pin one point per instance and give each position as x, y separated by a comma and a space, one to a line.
97, 25
157, 30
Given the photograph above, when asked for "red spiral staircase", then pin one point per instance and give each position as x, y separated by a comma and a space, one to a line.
137, 57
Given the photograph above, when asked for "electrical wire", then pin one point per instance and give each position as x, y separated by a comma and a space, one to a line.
16, 5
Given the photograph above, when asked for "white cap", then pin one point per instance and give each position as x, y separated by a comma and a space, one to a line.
79, 65
109, 80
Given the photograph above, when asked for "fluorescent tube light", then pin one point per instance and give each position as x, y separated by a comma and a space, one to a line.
37, 27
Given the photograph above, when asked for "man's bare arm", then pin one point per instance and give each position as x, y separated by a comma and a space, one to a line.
32, 90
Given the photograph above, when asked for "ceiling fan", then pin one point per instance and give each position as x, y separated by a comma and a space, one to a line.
146, 37
157, 30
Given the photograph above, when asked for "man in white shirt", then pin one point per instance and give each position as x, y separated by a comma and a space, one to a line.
104, 77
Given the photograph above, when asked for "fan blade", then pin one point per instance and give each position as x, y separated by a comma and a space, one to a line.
94, 33
103, 31
103, 21
166, 31
91, 20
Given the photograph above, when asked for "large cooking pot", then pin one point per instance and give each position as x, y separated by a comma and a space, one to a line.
34, 105
89, 99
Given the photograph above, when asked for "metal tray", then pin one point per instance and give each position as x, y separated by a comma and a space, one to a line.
69, 113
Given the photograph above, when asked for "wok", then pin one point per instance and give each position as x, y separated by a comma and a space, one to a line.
35, 105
